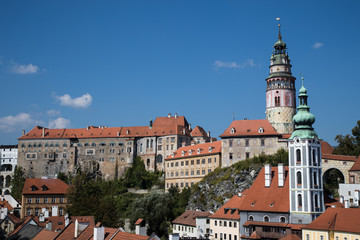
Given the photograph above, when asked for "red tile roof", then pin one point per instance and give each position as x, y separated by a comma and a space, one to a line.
67, 233
337, 219
204, 150
245, 128
13, 218
275, 224
326, 148
119, 235
6, 204
273, 198
139, 221
339, 157
162, 126
254, 235
22, 224
291, 237
45, 235
329, 202
356, 166
230, 209
189, 217
198, 132
54, 186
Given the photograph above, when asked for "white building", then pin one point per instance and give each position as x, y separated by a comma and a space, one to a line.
192, 224
349, 194
8, 162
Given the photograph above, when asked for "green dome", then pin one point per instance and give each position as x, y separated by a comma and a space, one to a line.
304, 118
279, 43
302, 91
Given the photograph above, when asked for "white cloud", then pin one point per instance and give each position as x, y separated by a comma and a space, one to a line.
15, 123
59, 123
81, 102
53, 112
24, 69
247, 63
318, 45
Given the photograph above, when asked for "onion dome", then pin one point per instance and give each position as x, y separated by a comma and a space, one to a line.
303, 119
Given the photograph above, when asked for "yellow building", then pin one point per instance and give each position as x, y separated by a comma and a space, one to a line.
334, 224
188, 165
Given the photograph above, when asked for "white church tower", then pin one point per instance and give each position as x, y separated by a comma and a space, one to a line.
306, 187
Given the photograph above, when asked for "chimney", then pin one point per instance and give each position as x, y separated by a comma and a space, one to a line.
346, 203
99, 233
43, 132
208, 133
189, 127
48, 225
41, 217
281, 174
67, 220
169, 115
239, 194
342, 199
87, 128
267, 175
23, 132
118, 134
176, 115
151, 123
76, 233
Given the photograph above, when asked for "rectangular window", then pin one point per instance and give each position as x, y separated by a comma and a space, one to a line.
37, 200
230, 156
234, 224
262, 142
209, 170
215, 235
90, 152
61, 199
53, 200
215, 223
229, 224
160, 140
246, 143
30, 156
321, 237
225, 223
173, 139
192, 172
197, 161
192, 162
197, 172
203, 161
29, 200
187, 163
235, 237
182, 163
247, 155
28, 211
45, 200
209, 160
230, 143
203, 172
159, 147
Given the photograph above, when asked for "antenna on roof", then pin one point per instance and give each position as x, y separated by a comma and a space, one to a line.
233, 116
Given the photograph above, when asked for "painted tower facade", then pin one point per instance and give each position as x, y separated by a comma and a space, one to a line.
280, 90
306, 187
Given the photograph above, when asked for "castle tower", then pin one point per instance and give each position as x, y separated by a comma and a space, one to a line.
306, 187
280, 90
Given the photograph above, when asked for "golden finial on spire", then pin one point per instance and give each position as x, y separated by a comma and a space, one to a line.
278, 19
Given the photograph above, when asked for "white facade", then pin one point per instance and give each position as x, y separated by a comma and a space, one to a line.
185, 230
8, 162
350, 193
203, 227
228, 229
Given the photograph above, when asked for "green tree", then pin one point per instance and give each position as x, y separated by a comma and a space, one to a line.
137, 176
17, 182
156, 209
349, 144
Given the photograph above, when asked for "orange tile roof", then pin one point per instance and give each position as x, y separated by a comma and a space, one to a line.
13, 218
339, 157
54, 186
139, 221
337, 219
198, 132
109, 232
245, 128
162, 126
45, 235
67, 233
326, 148
87, 233
230, 209
273, 198
204, 150
57, 222
189, 217
296, 226
329, 202
254, 235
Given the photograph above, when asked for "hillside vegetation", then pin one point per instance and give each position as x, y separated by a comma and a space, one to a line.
220, 185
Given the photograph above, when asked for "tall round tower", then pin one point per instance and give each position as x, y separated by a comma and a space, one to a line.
280, 90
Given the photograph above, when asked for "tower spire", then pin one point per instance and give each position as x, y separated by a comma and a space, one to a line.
279, 37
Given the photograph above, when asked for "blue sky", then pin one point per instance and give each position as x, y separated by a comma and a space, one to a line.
118, 63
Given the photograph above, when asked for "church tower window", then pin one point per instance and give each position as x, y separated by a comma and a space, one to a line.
298, 178
299, 198
298, 156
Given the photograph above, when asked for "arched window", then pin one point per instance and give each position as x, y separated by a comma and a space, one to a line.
151, 143
266, 218
315, 179
298, 178
140, 147
282, 219
148, 162
251, 218
314, 157
316, 202
147, 143
298, 156
299, 198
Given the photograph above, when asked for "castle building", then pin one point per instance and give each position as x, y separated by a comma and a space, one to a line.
8, 162
105, 151
280, 90
306, 187
189, 164
248, 138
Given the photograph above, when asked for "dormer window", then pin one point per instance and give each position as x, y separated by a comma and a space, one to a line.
34, 188
210, 149
44, 187
190, 152
182, 153
232, 130
172, 155
198, 151
261, 129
